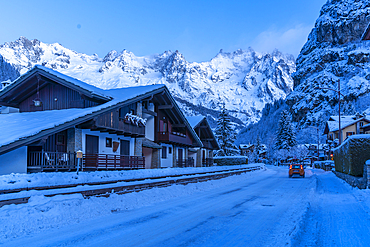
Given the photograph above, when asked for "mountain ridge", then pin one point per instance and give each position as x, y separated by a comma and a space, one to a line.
244, 80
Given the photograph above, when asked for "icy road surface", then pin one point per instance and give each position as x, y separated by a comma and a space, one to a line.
268, 209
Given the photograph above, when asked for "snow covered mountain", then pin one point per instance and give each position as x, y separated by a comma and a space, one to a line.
7, 71
245, 80
334, 53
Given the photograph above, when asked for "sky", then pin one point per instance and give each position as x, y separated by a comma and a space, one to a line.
198, 29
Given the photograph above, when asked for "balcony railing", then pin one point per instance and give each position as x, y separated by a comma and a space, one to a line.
173, 137
207, 162
112, 162
51, 161
56, 161
189, 162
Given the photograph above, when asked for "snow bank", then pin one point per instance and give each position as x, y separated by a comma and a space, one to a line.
16, 181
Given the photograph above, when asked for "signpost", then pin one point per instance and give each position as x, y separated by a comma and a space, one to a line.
79, 158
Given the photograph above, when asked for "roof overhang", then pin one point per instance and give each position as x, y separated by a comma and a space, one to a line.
50, 131
37, 78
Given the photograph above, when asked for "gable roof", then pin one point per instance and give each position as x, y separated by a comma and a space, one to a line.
195, 122
246, 146
25, 128
333, 123
39, 75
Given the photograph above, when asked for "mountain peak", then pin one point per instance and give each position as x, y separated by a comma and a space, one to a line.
199, 86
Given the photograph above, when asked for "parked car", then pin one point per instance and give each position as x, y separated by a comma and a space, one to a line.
296, 169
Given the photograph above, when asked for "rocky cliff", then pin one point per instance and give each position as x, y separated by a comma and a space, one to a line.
334, 53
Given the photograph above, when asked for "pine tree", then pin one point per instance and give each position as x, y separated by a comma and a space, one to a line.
285, 135
258, 145
225, 134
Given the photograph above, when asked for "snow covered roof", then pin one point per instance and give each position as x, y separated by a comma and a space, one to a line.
245, 146
61, 78
333, 123
26, 124
195, 120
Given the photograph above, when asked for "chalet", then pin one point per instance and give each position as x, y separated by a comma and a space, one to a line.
135, 127
350, 125
246, 149
203, 156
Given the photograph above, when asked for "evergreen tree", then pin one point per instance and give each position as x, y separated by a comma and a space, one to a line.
285, 135
225, 134
258, 146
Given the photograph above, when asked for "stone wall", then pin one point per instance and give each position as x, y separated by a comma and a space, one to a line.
359, 182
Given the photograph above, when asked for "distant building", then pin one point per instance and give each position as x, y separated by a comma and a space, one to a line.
350, 125
246, 149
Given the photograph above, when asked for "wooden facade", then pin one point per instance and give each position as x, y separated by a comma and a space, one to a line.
168, 132
55, 97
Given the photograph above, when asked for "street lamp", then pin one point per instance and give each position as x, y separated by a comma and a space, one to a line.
339, 94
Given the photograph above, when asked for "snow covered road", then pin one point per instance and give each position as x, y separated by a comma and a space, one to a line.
265, 208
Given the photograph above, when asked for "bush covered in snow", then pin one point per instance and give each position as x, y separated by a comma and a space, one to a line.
351, 156
231, 160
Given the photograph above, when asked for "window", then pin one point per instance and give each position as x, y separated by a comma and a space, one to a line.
164, 152
349, 133
361, 124
108, 142
60, 139
170, 150
163, 126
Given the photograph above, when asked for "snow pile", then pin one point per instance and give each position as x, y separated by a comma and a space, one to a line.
16, 181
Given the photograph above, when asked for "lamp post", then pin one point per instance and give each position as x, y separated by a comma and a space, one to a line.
339, 94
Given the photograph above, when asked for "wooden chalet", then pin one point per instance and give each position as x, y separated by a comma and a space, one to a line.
203, 156
136, 127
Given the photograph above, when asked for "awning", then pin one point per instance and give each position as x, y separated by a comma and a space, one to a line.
150, 144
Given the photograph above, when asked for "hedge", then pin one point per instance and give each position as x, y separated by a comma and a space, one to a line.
230, 160
350, 157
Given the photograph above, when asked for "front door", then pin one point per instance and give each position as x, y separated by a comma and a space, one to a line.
92, 144
125, 147
179, 157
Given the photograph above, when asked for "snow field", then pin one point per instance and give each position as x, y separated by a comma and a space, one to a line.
42, 213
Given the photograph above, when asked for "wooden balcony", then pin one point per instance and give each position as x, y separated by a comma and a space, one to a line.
112, 162
57, 161
173, 138
51, 161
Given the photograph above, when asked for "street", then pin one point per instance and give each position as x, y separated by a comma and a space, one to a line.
268, 209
